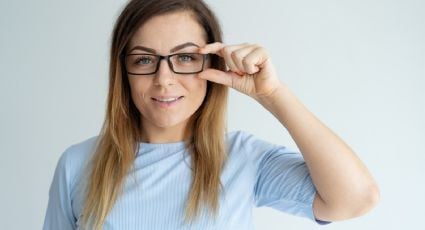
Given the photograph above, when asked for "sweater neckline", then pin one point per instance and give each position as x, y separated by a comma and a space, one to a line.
145, 147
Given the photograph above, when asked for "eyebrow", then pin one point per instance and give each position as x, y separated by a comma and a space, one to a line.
150, 50
184, 45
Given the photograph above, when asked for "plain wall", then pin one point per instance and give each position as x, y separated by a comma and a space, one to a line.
359, 66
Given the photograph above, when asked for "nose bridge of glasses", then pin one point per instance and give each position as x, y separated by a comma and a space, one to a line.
168, 61
165, 58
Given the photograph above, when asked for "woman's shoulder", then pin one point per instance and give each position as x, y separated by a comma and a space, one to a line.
82, 150
244, 139
237, 135
73, 160
254, 146
241, 141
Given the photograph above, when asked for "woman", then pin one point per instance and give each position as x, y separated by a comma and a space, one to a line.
164, 160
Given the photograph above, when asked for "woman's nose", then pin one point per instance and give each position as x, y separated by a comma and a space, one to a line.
164, 76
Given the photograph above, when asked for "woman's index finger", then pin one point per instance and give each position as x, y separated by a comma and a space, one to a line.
213, 48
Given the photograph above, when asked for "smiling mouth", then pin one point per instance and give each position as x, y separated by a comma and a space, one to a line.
167, 102
171, 99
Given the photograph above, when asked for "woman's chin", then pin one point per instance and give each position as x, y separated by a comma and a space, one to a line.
165, 124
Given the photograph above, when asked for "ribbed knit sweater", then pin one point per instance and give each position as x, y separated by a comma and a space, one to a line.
256, 173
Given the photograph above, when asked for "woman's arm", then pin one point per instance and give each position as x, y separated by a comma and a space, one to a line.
345, 188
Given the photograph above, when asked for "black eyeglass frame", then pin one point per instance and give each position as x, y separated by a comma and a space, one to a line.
170, 64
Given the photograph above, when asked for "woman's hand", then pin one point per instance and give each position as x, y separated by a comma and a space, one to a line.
250, 69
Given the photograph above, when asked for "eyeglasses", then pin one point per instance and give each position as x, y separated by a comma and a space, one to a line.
180, 63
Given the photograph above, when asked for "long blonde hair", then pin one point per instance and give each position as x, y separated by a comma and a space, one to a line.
121, 131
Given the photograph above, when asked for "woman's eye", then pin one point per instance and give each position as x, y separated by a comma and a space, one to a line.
144, 60
186, 58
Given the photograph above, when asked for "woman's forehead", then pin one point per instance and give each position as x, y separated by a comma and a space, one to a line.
167, 31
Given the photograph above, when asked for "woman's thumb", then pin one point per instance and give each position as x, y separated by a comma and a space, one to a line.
218, 76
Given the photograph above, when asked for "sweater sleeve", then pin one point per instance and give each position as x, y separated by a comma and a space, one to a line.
59, 213
283, 180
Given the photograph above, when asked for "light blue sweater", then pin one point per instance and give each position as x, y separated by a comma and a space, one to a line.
257, 173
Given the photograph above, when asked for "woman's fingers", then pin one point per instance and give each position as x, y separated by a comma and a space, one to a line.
217, 76
240, 59
213, 48
238, 55
225, 52
252, 72
254, 60
249, 59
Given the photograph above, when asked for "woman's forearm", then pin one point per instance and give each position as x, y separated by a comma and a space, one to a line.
343, 182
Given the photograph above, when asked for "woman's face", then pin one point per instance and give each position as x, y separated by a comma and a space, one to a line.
163, 35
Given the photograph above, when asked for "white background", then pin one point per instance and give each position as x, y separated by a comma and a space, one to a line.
359, 66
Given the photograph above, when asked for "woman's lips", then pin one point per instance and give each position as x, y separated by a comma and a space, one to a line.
166, 102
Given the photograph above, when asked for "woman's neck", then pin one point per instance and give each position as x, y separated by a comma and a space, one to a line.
154, 134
